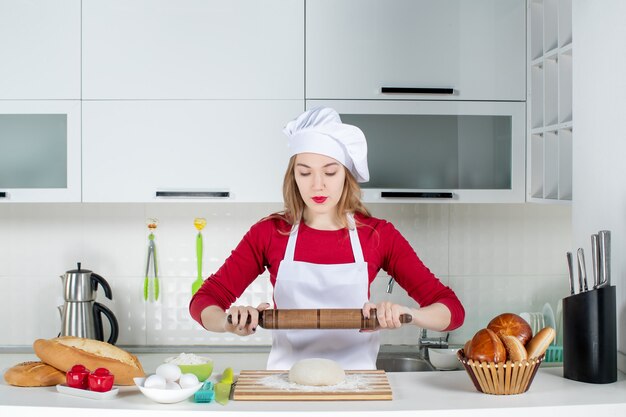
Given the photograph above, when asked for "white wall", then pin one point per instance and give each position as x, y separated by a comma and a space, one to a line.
496, 257
599, 97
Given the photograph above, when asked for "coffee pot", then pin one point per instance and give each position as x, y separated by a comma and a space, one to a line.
81, 315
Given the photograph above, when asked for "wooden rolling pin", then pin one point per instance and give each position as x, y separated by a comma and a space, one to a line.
332, 318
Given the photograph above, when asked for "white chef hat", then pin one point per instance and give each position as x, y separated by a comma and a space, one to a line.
321, 131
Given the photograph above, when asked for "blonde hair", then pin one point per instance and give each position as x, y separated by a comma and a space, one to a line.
350, 201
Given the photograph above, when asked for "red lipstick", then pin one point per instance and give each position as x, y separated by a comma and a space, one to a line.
319, 199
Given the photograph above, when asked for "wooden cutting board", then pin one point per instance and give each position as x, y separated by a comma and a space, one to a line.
275, 386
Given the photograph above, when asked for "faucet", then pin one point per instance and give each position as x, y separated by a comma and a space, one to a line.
424, 342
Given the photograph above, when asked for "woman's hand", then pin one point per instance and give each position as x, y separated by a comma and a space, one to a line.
388, 313
239, 317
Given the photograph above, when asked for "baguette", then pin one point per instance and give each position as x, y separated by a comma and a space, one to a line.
33, 374
67, 351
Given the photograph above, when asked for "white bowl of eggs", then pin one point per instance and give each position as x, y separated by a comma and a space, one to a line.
168, 385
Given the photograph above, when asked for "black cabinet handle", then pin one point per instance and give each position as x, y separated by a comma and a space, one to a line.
194, 194
3, 194
409, 90
417, 194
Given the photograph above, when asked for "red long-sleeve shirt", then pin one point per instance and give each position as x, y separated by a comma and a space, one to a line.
263, 247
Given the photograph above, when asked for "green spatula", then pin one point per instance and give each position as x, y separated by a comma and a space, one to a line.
199, 223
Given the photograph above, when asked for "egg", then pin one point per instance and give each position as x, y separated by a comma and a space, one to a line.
188, 380
172, 385
155, 381
169, 371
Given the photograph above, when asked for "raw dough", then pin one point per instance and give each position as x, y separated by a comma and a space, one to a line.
316, 371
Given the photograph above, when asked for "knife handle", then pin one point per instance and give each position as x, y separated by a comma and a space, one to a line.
582, 271
604, 242
595, 260
341, 318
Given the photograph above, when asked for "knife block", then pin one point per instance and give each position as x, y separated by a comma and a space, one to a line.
590, 336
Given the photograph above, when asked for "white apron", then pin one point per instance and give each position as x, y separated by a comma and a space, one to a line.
307, 285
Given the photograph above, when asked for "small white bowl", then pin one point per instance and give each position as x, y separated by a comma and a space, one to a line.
444, 359
166, 396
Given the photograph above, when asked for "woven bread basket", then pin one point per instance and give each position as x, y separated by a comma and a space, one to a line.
501, 378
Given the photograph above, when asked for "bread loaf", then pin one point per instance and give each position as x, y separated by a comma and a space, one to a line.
33, 374
67, 351
540, 342
510, 324
486, 346
515, 351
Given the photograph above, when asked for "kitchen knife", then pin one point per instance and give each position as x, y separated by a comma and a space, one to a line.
595, 260
329, 318
582, 271
570, 269
604, 243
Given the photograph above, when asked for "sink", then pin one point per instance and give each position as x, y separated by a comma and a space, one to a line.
403, 364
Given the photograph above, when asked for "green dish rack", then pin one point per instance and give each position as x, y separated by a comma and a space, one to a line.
554, 354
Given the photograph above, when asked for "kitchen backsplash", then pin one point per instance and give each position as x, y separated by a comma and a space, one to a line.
496, 257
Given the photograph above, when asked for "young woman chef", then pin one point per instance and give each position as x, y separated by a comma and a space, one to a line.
323, 251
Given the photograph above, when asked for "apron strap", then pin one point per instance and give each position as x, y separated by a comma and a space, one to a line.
357, 251
291, 243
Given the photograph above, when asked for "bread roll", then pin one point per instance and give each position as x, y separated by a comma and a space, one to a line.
515, 351
510, 324
486, 346
67, 351
466, 348
540, 342
33, 374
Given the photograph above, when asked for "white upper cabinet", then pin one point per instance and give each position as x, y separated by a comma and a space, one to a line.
476, 49
439, 151
193, 49
40, 49
185, 150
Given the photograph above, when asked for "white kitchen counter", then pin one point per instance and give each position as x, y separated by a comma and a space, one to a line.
430, 393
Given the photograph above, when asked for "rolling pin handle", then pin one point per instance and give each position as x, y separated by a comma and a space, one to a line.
229, 319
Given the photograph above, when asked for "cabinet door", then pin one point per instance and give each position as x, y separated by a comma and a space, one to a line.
40, 49
40, 151
134, 149
439, 151
193, 49
476, 48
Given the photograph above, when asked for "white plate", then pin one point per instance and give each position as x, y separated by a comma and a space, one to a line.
559, 323
541, 322
548, 316
526, 317
64, 389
